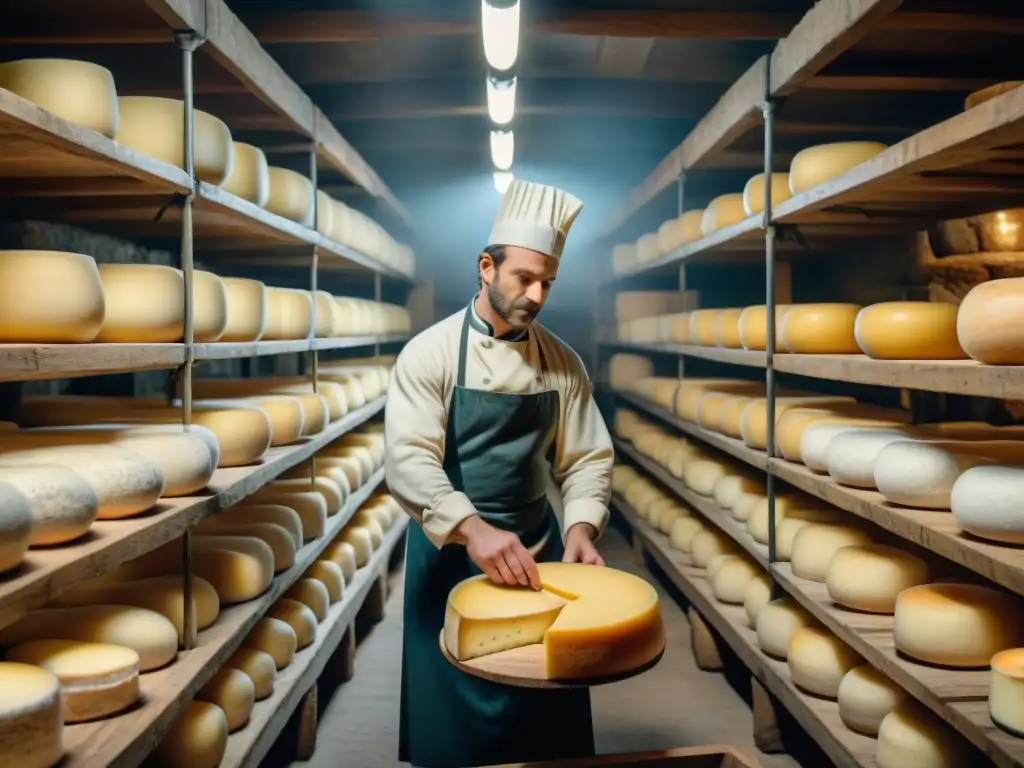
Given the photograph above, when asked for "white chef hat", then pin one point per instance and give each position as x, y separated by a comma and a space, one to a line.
535, 216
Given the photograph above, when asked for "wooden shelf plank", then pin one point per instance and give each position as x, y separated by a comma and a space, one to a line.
45, 573
702, 504
871, 635
126, 741
749, 358
818, 717
250, 745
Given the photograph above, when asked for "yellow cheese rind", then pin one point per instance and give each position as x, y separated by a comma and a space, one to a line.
247, 514
198, 738
246, 310
776, 624
909, 330
816, 165
814, 546
80, 92
987, 319
313, 594
331, 575
754, 192
912, 737
234, 692
291, 195
343, 554
869, 578
866, 696
249, 177
260, 668
298, 616
31, 719
16, 525
274, 637
820, 329
757, 595
723, 211
310, 506
289, 314
818, 661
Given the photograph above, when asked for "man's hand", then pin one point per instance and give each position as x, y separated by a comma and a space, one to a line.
498, 553
579, 545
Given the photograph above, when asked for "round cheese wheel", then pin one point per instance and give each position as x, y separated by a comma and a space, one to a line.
156, 127
956, 625
16, 525
754, 419
249, 177
986, 502
1006, 691
753, 192
702, 327
986, 321
708, 544
274, 637
754, 326
343, 554
324, 215
682, 533
49, 297
689, 228
298, 616
816, 165
909, 330
866, 696
63, 506
700, 475
96, 679
234, 692
818, 661
647, 248
788, 507
330, 575
198, 738
820, 329
289, 314
817, 438
77, 91
723, 211
815, 545
324, 486
729, 488
258, 666
869, 578
313, 594
246, 309
291, 195
990, 92
912, 737
851, 454
792, 424
727, 329
31, 718
209, 307
746, 503
310, 506
776, 623
756, 596
730, 579
144, 303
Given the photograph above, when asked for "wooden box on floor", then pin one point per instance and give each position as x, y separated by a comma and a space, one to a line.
688, 757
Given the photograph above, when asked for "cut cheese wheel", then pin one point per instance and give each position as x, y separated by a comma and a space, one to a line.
62, 503
163, 594
956, 625
987, 322
1006, 691
730, 579
912, 737
754, 420
312, 594
248, 513
259, 667
49, 297
727, 329
291, 195
754, 196
146, 632
866, 696
310, 506
613, 615
728, 489
868, 578
754, 326
909, 330
198, 738
818, 661
17, 522
756, 596
790, 428
986, 502
144, 303
820, 329
343, 554
298, 616
80, 92
816, 165
815, 545
708, 544
723, 211
32, 719
249, 177
331, 575
776, 624
683, 531
96, 679
289, 314
234, 692
274, 637
156, 127
246, 310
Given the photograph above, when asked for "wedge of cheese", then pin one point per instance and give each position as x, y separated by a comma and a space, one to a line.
592, 621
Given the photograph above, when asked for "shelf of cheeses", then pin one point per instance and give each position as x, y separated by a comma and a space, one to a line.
832, 448
90, 482
845, 189
969, 349
67, 115
98, 318
261, 573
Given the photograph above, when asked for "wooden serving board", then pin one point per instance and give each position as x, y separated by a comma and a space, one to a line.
524, 668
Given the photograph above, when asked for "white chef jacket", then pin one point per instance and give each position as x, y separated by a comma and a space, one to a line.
416, 417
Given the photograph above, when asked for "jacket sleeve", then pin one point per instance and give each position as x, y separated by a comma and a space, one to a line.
414, 425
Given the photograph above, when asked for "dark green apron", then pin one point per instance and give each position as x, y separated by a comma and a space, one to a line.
496, 450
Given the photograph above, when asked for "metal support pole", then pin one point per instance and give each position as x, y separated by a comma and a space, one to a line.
314, 353
681, 193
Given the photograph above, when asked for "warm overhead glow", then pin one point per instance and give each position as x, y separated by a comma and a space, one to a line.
501, 181
503, 146
501, 100
501, 35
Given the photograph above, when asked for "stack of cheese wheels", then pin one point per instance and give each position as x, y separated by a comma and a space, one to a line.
911, 735
291, 195
776, 624
36, 307
197, 739
985, 502
791, 425
754, 417
156, 127
31, 727
816, 165
754, 192
249, 177
866, 696
820, 329
723, 211
77, 91
870, 577
909, 330
986, 321
818, 661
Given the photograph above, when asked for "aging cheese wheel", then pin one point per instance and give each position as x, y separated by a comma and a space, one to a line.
259, 667
691, 391
209, 308
16, 524
730, 579
956, 625
912, 737
62, 503
198, 738
754, 420
362, 541
298, 616
330, 575
792, 507
816, 165
818, 661
701, 475
866, 696
49, 297
728, 489
234, 692
77, 91
723, 211
820, 329
143, 303
246, 309
988, 320
754, 197
756, 596
986, 502
274, 637
754, 326
312, 594
149, 634
776, 624
727, 329
248, 513
746, 503
613, 615
683, 531
324, 214
156, 127
690, 226
869, 577
31, 718
332, 493
249, 177
647, 248
291, 195
278, 538
708, 544
1006, 691
815, 545
909, 330
310, 506
792, 424
289, 314
343, 554
702, 327
96, 679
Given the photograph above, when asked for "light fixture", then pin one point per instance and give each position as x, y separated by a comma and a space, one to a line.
502, 179
501, 34
501, 100
503, 146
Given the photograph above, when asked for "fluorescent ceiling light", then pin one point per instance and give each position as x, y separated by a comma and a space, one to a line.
503, 148
502, 179
501, 35
501, 100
